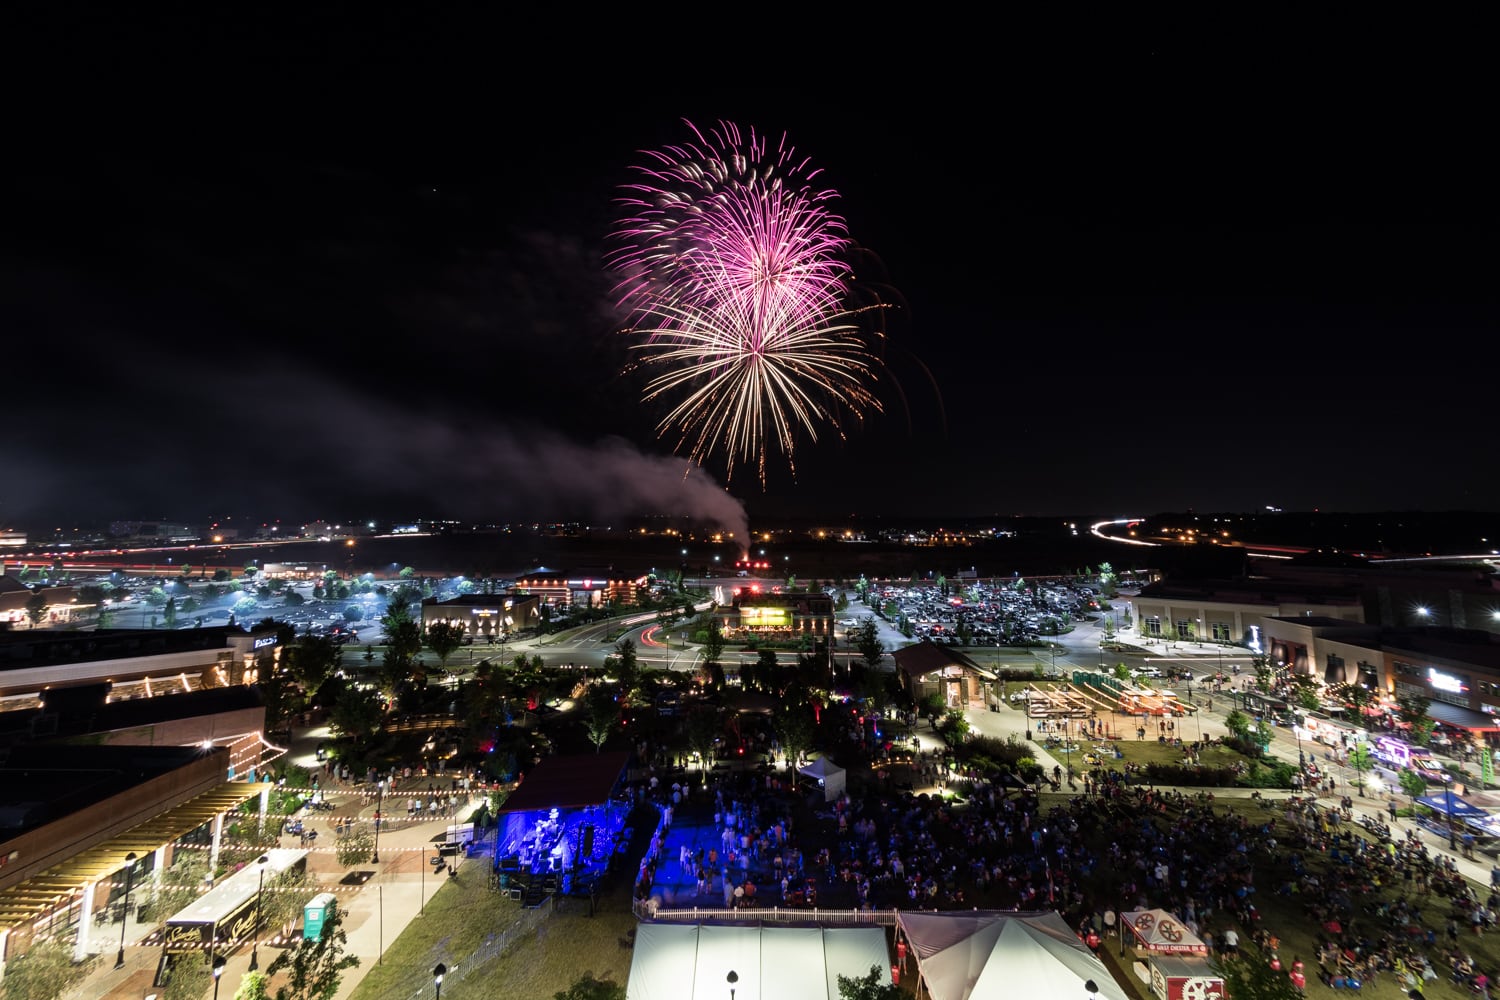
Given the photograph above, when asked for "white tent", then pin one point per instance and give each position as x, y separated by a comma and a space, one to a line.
1000, 954
686, 961
829, 775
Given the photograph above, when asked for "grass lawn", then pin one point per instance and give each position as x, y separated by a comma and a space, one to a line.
494, 947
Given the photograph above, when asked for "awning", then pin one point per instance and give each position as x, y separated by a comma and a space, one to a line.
1463, 718
568, 781
1461, 809
33, 898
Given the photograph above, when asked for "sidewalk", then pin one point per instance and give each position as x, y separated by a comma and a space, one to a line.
375, 911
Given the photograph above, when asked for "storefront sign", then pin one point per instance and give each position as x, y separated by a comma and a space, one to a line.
1440, 681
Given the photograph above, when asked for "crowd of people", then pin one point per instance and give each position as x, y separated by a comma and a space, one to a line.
1118, 846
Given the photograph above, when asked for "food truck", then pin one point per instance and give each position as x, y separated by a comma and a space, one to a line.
224, 917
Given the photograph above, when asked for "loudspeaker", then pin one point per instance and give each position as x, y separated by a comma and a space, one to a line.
588, 840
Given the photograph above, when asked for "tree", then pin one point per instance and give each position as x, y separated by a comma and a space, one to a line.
36, 609
44, 972
311, 660
1238, 723
188, 979
867, 641
285, 895
600, 714
869, 986
444, 640
356, 714
793, 725
277, 691
1412, 710
713, 643
702, 729
1253, 978
1264, 675
586, 987
1414, 785
403, 638
253, 986
624, 666
1360, 759
180, 884
169, 613
354, 848
932, 705
314, 968
954, 728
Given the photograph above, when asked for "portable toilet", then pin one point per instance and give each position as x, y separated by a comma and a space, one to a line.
315, 913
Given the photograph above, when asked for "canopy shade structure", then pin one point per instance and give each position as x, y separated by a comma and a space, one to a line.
1160, 931
693, 961
1002, 954
1461, 809
568, 781
35, 897
829, 775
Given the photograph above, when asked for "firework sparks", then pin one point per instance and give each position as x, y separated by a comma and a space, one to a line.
732, 263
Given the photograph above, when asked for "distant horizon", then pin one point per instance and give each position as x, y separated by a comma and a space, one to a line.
235, 521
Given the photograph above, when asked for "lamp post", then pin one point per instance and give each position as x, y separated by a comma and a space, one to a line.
218, 972
1448, 791
260, 886
379, 800
731, 979
438, 972
125, 914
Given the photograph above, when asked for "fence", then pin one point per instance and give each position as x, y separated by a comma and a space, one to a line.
419, 983
644, 910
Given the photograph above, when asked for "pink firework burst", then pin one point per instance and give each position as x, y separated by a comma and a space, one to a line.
732, 266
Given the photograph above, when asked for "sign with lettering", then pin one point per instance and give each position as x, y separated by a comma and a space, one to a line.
190, 935
264, 641
1445, 682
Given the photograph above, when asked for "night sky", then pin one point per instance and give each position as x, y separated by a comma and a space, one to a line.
1137, 287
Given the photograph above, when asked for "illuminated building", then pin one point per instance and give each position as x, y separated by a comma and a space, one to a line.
796, 613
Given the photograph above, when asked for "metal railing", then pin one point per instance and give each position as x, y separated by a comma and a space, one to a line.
644, 910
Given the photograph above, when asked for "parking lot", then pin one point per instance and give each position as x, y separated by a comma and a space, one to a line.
984, 613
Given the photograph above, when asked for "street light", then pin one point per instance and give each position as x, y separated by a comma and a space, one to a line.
379, 799
1448, 790
218, 972
438, 972
731, 979
260, 887
124, 916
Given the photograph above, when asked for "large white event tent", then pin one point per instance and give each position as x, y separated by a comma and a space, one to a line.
687, 961
1001, 954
